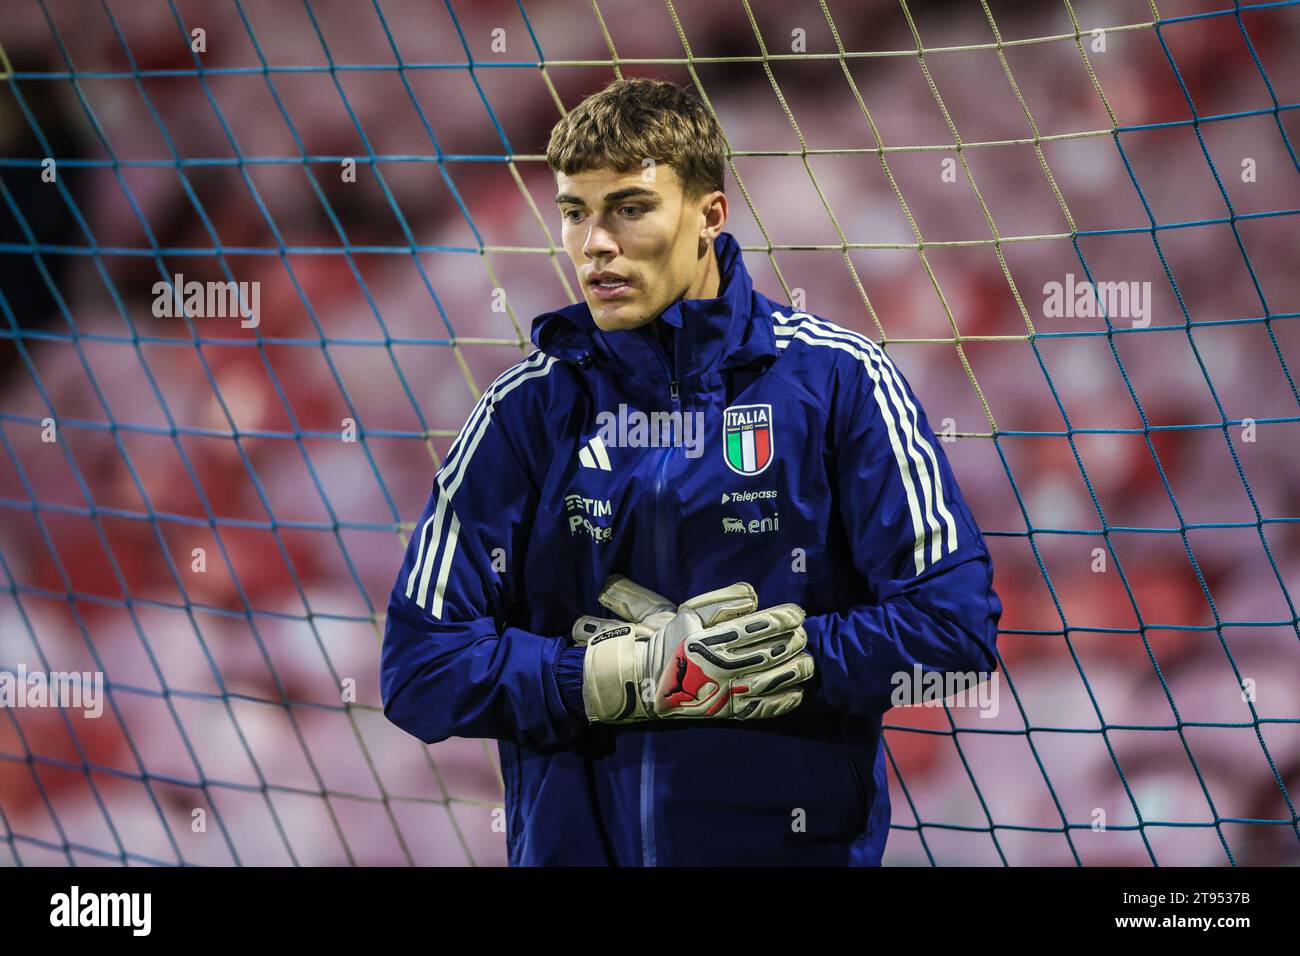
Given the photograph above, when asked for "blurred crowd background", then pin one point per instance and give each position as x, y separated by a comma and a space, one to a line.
1122, 689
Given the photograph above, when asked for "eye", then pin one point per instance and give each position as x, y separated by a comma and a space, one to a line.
569, 214
636, 210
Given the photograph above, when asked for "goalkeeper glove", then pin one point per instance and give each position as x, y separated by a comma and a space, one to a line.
715, 656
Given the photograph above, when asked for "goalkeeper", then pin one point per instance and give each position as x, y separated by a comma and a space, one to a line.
684, 647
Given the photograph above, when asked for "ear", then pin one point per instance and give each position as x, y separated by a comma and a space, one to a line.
713, 210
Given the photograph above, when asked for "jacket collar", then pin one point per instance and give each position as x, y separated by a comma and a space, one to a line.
719, 333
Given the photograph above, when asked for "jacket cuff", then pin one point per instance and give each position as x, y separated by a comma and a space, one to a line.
567, 670
814, 697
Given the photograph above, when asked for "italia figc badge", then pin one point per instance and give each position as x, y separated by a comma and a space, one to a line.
747, 438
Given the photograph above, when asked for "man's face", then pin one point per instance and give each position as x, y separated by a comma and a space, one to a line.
637, 246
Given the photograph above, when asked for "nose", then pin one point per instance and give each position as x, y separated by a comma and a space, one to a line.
599, 243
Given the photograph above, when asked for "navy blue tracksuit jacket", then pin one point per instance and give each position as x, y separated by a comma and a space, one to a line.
814, 476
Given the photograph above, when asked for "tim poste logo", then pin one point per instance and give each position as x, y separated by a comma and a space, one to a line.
580, 511
747, 438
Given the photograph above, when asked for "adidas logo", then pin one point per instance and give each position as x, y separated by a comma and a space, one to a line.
594, 455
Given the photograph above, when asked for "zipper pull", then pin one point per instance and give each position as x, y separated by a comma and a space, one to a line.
672, 388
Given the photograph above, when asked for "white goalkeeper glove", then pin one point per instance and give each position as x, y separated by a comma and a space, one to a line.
716, 655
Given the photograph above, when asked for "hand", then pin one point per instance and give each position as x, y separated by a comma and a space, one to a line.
645, 610
715, 656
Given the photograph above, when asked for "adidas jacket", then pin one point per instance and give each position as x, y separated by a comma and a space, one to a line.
813, 474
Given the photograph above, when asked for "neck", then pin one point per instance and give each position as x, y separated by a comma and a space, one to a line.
708, 280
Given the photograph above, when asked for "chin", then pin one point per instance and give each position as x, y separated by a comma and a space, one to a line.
617, 319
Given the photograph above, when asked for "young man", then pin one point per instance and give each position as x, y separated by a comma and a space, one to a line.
789, 493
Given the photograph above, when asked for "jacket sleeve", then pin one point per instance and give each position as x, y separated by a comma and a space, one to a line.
929, 597
448, 666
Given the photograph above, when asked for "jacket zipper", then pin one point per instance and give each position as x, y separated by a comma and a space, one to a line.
648, 851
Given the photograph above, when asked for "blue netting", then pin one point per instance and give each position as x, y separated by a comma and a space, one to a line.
233, 698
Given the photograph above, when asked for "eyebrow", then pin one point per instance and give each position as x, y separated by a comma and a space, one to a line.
628, 192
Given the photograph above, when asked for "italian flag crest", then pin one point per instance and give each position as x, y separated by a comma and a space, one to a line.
747, 438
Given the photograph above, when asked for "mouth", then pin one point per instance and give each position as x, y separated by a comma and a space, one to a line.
608, 286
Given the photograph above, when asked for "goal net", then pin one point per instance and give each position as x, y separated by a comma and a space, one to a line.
1072, 225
